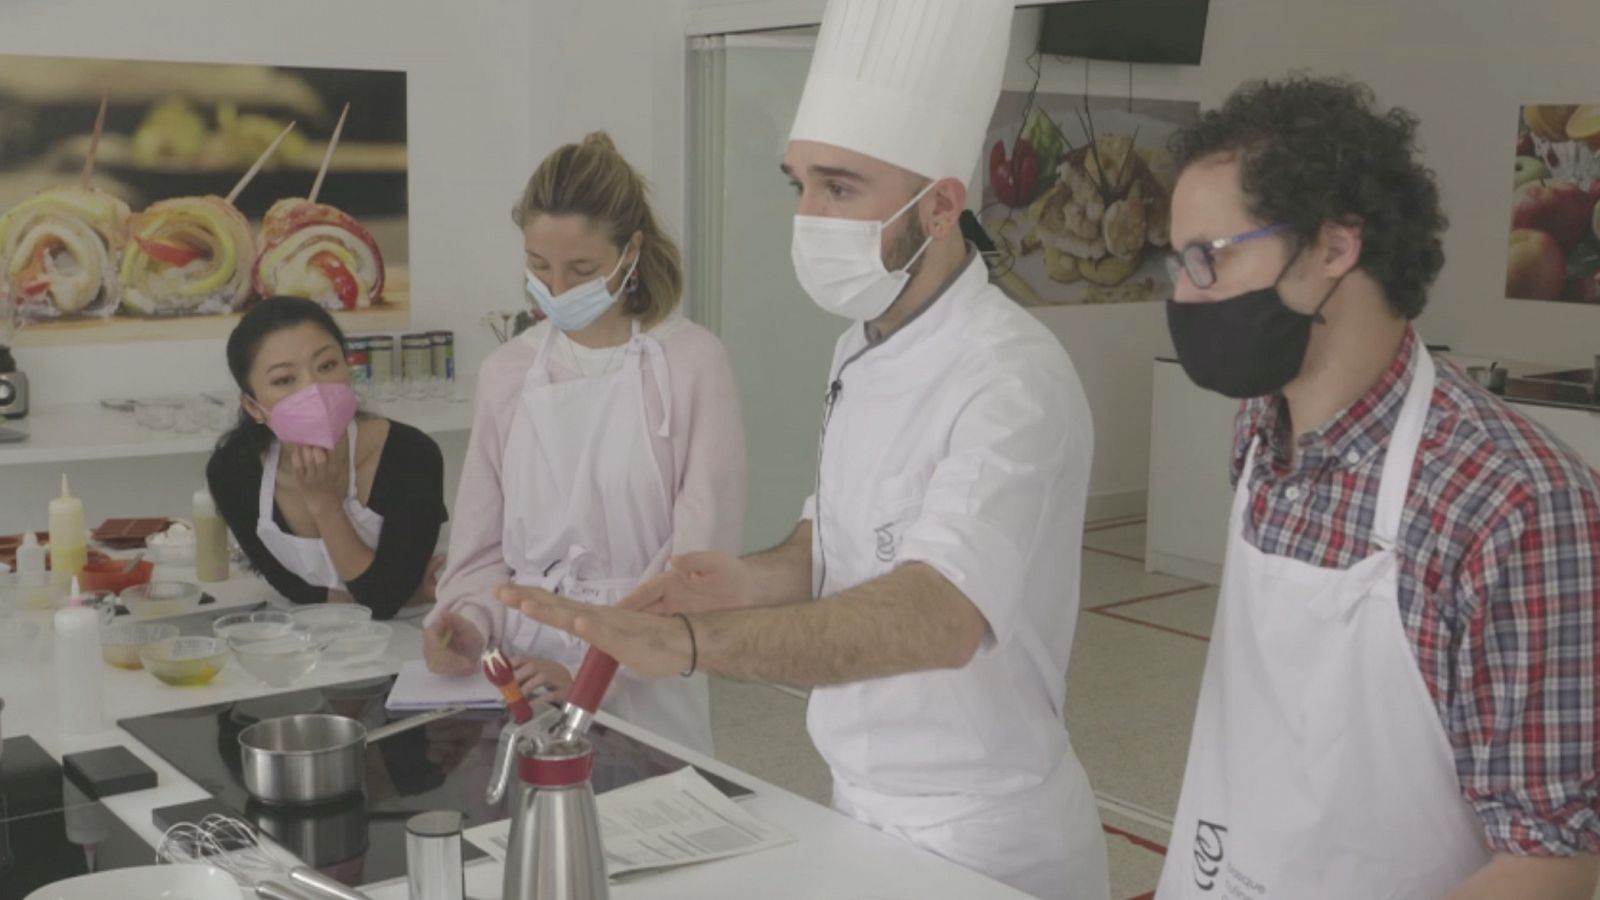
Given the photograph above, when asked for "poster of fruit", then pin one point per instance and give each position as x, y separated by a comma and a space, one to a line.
1076, 196
159, 200
1554, 250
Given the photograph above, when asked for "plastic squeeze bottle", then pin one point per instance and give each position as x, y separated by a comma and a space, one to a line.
69, 538
210, 539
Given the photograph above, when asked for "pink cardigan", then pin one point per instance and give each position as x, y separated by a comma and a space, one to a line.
702, 462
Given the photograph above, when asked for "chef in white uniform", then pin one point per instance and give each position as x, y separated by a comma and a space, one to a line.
930, 592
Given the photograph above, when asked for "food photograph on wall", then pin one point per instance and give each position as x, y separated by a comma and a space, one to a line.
1554, 249
159, 200
1076, 194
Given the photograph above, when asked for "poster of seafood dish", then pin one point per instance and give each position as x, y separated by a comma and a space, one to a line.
1077, 196
159, 200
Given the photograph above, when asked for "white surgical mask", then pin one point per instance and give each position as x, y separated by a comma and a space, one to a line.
580, 305
840, 263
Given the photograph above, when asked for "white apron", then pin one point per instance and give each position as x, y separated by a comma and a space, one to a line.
1318, 767
587, 517
308, 557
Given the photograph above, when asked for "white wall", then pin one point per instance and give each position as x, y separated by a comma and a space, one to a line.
471, 109
617, 65
1463, 67
493, 86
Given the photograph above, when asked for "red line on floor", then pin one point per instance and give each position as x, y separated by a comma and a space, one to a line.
1113, 523
1134, 839
1126, 556
1147, 895
1132, 621
1140, 599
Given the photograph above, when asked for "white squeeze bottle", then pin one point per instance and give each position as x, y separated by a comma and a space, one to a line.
80, 683
30, 572
210, 539
69, 538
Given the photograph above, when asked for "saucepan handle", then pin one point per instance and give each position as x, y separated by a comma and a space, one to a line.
393, 728
272, 890
322, 885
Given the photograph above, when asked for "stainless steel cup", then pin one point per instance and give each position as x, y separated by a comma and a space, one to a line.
433, 856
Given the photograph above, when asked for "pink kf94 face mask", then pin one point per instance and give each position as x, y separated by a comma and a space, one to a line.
315, 416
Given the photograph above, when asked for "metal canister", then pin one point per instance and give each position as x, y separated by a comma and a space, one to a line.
380, 351
356, 354
416, 356
443, 344
433, 856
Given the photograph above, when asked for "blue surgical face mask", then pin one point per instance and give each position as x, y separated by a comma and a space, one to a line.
579, 306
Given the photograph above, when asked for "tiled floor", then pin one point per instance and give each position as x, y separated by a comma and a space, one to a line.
1135, 671
1136, 665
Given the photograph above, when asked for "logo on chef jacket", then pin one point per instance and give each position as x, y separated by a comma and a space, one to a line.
1208, 854
887, 545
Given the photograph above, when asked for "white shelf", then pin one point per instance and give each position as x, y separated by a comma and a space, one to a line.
82, 432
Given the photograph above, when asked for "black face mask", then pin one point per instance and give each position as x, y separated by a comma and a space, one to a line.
1245, 346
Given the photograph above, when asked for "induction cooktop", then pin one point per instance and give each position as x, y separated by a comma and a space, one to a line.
445, 764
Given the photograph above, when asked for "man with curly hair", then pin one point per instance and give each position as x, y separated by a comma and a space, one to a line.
1401, 695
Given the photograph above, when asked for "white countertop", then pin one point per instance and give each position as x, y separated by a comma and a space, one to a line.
832, 857
88, 431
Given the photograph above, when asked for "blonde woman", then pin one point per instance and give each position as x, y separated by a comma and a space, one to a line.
607, 440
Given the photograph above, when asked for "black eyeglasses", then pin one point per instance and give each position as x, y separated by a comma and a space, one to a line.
1199, 261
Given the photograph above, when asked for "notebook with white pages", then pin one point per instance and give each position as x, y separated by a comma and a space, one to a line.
418, 689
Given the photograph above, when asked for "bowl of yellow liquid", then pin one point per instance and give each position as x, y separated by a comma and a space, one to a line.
185, 661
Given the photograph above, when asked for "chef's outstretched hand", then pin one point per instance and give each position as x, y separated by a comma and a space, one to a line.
650, 645
452, 646
694, 583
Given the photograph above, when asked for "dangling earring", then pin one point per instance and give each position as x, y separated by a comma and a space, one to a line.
632, 286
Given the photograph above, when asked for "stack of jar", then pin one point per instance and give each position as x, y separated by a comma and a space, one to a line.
427, 363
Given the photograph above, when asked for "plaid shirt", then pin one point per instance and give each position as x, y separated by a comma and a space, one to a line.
1499, 568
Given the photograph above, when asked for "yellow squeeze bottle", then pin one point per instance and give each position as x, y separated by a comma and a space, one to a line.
69, 537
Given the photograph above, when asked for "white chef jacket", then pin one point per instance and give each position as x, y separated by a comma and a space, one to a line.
962, 441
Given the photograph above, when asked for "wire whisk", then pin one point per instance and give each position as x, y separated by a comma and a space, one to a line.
235, 847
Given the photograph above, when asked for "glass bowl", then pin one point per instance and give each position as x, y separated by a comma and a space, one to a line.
17, 636
185, 661
279, 661
161, 599
122, 642
162, 551
359, 644
331, 619
253, 626
17, 594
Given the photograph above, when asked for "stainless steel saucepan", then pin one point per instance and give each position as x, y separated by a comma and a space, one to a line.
309, 759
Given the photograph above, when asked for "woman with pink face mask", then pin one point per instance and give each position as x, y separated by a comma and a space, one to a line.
329, 505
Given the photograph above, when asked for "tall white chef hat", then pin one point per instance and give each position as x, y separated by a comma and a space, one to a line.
909, 82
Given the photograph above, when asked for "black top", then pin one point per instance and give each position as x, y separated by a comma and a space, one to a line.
407, 490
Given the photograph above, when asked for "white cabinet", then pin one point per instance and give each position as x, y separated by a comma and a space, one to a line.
1577, 429
1191, 437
